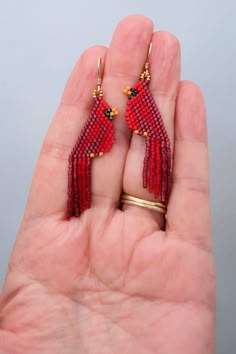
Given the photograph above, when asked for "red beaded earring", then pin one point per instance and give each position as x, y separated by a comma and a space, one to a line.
96, 138
144, 118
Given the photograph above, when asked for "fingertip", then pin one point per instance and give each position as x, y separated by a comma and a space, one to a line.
93, 53
189, 87
131, 32
170, 40
83, 78
131, 21
190, 112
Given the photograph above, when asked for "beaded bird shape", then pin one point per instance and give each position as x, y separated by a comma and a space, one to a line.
96, 138
144, 118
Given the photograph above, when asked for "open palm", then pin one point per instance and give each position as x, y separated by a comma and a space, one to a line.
112, 280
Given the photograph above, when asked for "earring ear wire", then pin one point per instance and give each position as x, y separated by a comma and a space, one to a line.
145, 74
97, 92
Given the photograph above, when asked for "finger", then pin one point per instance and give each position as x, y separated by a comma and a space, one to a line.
165, 76
48, 193
124, 61
189, 211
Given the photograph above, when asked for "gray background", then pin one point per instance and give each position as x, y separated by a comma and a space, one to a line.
39, 45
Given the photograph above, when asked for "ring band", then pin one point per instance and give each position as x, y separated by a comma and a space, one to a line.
128, 199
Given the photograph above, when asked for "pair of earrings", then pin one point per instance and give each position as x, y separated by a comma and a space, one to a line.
97, 137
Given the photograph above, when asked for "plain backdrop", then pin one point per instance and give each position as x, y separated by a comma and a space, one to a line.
40, 41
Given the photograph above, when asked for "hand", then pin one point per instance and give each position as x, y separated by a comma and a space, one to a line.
113, 281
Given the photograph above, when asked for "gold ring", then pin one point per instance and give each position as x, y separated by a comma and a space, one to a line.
128, 199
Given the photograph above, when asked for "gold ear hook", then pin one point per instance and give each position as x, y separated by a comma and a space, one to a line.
149, 51
99, 66
145, 74
98, 91
99, 80
148, 57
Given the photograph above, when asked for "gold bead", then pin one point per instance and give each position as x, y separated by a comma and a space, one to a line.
127, 90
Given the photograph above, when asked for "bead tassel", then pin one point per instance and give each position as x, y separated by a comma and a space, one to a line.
96, 138
144, 118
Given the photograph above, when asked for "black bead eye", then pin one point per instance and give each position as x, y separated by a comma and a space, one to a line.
110, 113
107, 112
134, 92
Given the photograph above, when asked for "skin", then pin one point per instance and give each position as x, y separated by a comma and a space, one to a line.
117, 281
